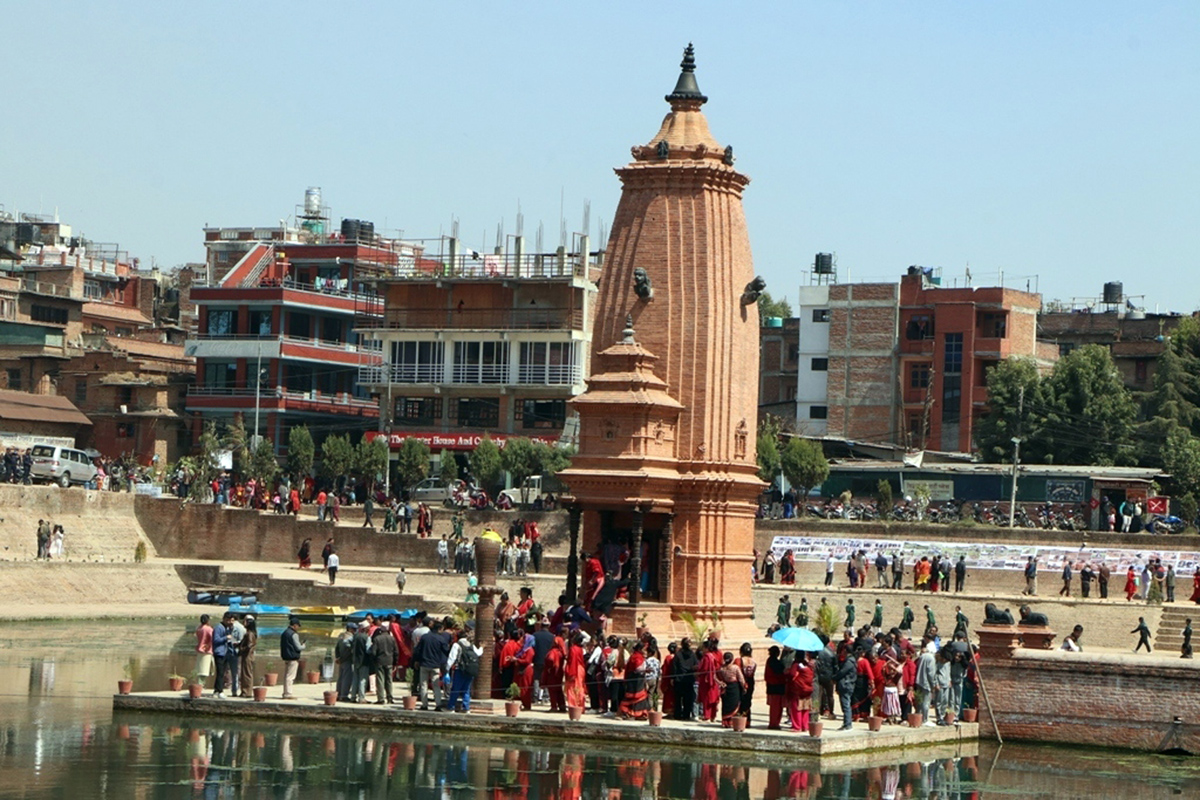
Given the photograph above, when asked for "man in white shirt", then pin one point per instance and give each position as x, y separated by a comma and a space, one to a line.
334, 563
443, 551
829, 569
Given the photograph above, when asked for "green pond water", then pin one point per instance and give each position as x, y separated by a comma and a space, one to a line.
59, 739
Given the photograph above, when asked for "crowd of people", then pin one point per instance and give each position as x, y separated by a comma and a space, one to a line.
929, 573
50, 540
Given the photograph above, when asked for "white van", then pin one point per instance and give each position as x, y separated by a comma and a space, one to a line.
62, 465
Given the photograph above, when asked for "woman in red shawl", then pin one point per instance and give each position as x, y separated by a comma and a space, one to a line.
787, 568
522, 664
1130, 584
1195, 598
706, 679
294, 502
776, 681
666, 682
798, 692
575, 673
552, 674
635, 701
593, 579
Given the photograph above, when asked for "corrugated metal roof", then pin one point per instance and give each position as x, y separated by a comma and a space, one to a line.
39, 408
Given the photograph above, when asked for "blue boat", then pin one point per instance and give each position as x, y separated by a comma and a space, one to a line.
379, 613
260, 610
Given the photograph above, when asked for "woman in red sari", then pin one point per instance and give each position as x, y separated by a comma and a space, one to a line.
706, 680
666, 682
733, 684
523, 671
787, 568
575, 673
776, 681
552, 674
593, 579
1130, 584
798, 692
635, 701
1195, 598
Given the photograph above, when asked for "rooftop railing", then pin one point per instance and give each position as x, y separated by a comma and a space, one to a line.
527, 318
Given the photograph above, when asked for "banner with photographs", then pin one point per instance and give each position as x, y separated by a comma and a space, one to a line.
983, 555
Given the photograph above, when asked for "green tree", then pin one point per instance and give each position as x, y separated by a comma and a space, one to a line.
449, 468
1170, 405
767, 449
804, 464
238, 441
1088, 412
770, 307
1181, 459
485, 463
264, 466
826, 620
521, 461
412, 462
206, 466
371, 459
1007, 416
337, 457
884, 491
301, 452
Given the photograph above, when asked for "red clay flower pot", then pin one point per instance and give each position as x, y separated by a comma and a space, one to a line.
260, 694
330, 697
124, 687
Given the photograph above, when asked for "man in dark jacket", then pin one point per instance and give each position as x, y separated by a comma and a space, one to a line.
846, 677
429, 660
360, 659
290, 648
683, 673
383, 646
343, 654
826, 667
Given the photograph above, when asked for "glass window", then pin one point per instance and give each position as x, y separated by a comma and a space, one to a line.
40, 313
480, 362
417, 411
14, 379
220, 322
548, 363
80, 391
953, 357
993, 324
478, 412
418, 362
820, 365
260, 322
220, 374
818, 412
1139, 370
820, 315
918, 376
951, 398
920, 326
543, 413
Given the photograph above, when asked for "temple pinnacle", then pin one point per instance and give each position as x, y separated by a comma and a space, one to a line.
686, 87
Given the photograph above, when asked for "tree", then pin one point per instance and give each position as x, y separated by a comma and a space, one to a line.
1089, 414
485, 463
448, 473
371, 459
767, 448
521, 461
770, 307
1007, 415
337, 457
1181, 459
238, 440
264, 467
1171, 404
884, 492
804, 464
412, 462
301, 452
206, 466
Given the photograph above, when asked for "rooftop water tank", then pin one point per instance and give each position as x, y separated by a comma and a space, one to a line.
1113, 292
823, 264
773, 322
312, 201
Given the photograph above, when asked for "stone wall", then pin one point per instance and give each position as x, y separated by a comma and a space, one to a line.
1101, 700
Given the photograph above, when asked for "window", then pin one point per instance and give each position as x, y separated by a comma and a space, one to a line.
418, 362
417, 411
260, 322
543, 413
332, 329
920, 326
549, 363
818, 412
953, 356
993, 324
951, 398
478, 412
820, 315
124, 331
220, 374
299, 325
1065, 348
220, 322
92, 290
1139, 370
918, 375
124, 396
40, 313
126, 430
820, 365
80, 391
793, 354
14, 379
985, 366
480, 362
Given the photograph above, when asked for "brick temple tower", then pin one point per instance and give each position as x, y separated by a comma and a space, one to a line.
666, 468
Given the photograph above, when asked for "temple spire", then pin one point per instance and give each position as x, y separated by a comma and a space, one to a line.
686, 87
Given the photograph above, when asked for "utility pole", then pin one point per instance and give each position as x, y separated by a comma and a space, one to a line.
1016, 440
387, 431
258, 375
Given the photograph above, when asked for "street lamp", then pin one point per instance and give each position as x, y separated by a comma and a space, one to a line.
1012, 503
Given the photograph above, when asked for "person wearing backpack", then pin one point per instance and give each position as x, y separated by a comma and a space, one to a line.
464, 666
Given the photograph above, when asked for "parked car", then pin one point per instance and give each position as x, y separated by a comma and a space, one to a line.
536, 486
62, 465
429, 491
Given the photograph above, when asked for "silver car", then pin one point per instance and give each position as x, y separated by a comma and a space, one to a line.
62, 465
429, 491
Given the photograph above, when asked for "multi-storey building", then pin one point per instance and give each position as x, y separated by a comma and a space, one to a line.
277, 342
482, 344
778, 346
949, 338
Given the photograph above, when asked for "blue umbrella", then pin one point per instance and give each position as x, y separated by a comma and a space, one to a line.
798, 639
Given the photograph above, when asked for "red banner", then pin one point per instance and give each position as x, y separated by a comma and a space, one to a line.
1158, 505
452, 441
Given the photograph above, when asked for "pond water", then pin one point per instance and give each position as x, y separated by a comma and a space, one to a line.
59, 739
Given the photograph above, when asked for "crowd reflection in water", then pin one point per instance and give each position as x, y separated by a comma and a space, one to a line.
227, 762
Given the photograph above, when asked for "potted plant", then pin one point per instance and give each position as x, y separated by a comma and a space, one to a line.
970, 714
330, 696
175, 682
271, 677
125, 686
915, 719
195, 686
575, 713
875, 723
512, 705
655, 716
313, 676
815, 726
739, 722
641, 624
260, 694
949, 717
410, 699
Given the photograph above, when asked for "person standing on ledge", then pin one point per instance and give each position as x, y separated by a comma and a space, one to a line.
1030, 577
930, 620
290, 648
1065, 591
1186, 649
960, 573
850, 611
877, 618
783, 614
802, 613
1143, 635
1102, 575
332, 565
906, 621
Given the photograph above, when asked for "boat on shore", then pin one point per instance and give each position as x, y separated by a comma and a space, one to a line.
322, 613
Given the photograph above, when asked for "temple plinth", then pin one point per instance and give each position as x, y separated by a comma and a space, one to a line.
665, 478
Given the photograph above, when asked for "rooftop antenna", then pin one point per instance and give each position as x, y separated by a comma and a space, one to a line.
499, 234
453, 227
587, 217
541, 235
520, 220
603, 234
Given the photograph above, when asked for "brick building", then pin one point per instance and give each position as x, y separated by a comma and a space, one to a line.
861, 380
1135, 339
476, 344
948, 340
779, 362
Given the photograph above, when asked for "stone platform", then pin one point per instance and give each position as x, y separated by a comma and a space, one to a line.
900, 743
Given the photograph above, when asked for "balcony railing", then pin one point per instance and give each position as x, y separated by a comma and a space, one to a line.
343, 399
551, 375
479, 266
555, 319
474, 374
347, 347
42, 287
403, 373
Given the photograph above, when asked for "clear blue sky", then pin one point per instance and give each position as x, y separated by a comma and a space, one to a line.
1058, 139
